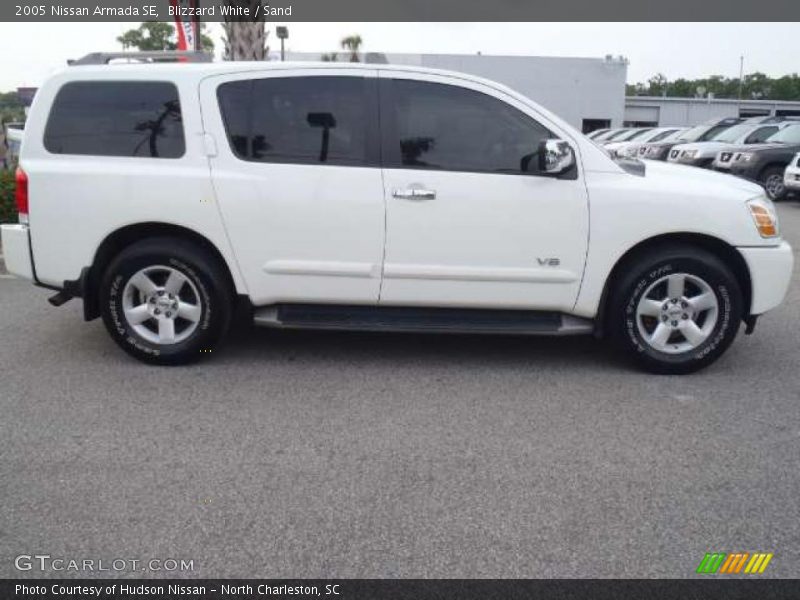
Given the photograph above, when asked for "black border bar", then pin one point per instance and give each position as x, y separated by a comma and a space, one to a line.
403, 589
412, 10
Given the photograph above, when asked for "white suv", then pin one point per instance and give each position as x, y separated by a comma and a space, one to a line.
373, 197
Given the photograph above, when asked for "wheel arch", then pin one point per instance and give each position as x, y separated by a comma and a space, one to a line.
723, 250
123, 237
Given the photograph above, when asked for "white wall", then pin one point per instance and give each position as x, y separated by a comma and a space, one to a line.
573, 88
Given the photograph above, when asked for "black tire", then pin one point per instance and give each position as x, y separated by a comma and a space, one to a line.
209, 285
643, 272
776, 192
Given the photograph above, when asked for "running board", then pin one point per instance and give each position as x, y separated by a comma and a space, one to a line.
419, 320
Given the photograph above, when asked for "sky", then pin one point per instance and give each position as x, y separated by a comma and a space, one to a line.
29, 52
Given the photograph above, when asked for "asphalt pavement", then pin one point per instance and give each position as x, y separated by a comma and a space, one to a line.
373, 455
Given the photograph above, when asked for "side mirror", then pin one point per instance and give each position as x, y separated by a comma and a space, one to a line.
555, 157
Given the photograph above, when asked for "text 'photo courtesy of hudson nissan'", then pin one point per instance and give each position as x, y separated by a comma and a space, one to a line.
378, 300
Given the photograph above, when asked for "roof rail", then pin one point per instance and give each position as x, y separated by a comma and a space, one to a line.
103, 58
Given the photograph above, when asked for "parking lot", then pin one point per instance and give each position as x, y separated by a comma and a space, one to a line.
364, 455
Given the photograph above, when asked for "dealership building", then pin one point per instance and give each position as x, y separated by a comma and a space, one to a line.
652, 111
589, 93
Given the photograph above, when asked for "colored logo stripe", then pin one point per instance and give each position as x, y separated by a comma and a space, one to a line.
711, 562
758, 563
732, 563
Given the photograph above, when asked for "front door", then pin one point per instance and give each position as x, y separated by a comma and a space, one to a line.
470, 220
298, 181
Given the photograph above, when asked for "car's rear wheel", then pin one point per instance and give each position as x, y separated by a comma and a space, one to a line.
772, 180
676, 309
166, 301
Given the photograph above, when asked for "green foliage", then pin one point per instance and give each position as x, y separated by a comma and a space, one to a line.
352, 43
8, 205
756, 86
11, 108
154, 35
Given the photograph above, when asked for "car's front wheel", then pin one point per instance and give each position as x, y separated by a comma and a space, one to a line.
166, 301
676, 309
772, 180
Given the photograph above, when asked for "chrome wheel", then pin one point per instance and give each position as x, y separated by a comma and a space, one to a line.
162, 305
677, 313
774, 186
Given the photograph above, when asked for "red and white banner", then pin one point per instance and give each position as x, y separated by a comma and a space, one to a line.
188, 27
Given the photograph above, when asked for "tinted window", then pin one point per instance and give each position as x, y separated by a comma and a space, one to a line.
447, 127
760, 135
297, 119
116, 118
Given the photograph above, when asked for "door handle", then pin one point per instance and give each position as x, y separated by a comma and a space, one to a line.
414, 194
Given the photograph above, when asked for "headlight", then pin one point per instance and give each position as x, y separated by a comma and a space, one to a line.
764, 216
689, 153
745, 157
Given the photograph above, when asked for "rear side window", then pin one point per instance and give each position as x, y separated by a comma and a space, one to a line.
761, 134
116, 118
305, 120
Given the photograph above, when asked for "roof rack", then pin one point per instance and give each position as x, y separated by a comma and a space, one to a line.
103, 58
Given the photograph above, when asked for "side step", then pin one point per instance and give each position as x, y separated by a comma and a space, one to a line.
409, 319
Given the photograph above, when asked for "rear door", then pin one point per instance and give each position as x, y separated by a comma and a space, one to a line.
298, 182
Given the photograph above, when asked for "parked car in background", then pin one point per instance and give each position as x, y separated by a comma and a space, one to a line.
766, 163
699, 133
676, 135
597, 132
630, 147
631, 134
610, 135
791, 177
703, 153
724, 158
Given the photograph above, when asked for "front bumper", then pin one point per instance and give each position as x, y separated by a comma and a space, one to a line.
791, 178
17, 250
770, 274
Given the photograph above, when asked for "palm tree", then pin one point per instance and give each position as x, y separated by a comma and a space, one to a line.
245, 40
352, 43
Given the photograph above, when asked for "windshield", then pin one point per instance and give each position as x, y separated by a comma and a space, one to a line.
632, 135
616, 135
790, 135
662, 135
693, 134
734, 133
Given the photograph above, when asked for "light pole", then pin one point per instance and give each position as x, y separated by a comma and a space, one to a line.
283, 33
741, 83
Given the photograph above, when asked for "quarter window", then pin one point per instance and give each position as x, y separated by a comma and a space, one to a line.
298, 119
446, 127
116, 118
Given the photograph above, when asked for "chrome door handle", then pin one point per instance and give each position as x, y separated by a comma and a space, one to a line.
414, 194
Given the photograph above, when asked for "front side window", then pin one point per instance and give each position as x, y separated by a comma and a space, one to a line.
297, 119
446, 127
116, 118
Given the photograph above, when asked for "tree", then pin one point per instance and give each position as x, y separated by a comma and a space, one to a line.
352, 43
756, 86
245, 40
153, 35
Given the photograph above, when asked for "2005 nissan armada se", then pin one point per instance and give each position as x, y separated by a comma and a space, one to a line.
169, 196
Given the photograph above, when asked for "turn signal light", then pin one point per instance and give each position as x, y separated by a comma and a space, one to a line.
765, 221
